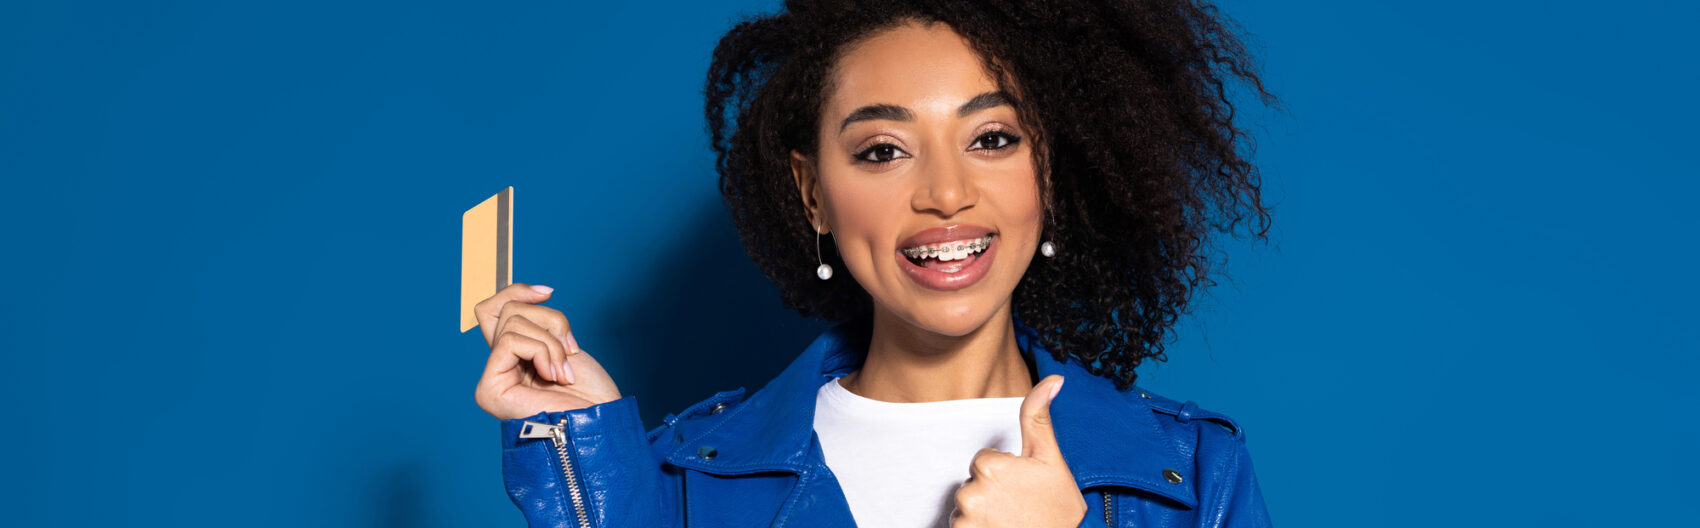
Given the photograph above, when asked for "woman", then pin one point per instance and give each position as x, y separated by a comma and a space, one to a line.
992, 199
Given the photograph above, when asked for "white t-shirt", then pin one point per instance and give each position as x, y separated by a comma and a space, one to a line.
900, 463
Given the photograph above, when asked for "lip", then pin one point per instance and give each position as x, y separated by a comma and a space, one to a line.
941, 281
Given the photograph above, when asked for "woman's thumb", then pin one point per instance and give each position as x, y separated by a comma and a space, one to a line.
1038, 438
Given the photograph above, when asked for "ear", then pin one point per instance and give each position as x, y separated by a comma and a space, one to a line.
808, 189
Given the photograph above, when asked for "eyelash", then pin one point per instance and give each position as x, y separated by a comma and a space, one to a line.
1010, 140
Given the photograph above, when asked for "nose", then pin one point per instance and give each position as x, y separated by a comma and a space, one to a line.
946, 186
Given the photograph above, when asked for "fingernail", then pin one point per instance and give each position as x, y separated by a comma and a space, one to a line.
569, 373
539, 288
572, 344
1055, 389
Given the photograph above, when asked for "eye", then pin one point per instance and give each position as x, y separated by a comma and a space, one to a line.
995, 141
880, 154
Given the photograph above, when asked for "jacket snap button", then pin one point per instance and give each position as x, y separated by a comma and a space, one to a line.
707, 452
1174, 477
717, 408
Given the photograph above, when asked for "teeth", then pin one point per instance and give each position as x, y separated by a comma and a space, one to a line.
950, 250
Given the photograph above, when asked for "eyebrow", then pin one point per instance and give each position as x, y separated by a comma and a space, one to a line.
897, 113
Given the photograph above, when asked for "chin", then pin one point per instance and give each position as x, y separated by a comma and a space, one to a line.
954, 318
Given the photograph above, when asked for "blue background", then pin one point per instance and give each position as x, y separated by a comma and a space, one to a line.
232, 255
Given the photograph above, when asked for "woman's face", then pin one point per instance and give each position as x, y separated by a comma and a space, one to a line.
925, 179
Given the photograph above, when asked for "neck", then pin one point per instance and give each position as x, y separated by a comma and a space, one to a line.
908, 364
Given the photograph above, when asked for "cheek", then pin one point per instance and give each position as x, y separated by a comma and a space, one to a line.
1016, 194
865, 213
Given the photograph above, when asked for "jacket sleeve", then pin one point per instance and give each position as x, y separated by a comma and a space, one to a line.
1236, 501
598, 470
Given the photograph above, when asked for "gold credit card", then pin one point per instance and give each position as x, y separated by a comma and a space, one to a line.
486, 252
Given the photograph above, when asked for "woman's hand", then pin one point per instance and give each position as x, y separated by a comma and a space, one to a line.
535, 364
1033, 490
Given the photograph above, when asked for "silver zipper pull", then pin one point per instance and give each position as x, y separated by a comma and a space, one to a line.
540, 430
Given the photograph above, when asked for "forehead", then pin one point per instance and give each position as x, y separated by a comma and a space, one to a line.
926, 68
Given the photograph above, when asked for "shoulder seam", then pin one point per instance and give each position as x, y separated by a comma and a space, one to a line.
1233, 467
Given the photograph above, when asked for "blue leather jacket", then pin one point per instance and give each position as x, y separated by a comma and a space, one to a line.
734, 461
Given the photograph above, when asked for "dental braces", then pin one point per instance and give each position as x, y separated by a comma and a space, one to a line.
960, 248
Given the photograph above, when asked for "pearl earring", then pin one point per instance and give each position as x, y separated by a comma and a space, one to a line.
1048, 249
824, 271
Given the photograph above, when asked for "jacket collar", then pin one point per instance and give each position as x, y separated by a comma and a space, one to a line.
1108, 437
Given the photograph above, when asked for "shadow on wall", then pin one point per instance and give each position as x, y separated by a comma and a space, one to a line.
398, 496
712, 322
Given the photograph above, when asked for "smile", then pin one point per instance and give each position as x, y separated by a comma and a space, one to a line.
954, 263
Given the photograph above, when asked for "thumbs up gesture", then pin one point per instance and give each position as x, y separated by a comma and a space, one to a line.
1033, 489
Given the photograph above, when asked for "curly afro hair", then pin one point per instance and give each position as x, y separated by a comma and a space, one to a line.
1135, 142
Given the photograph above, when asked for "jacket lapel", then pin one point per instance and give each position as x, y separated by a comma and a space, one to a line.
1108, 437
773, 430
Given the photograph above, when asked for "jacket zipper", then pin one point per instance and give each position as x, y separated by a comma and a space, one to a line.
558, 434
1109, 509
